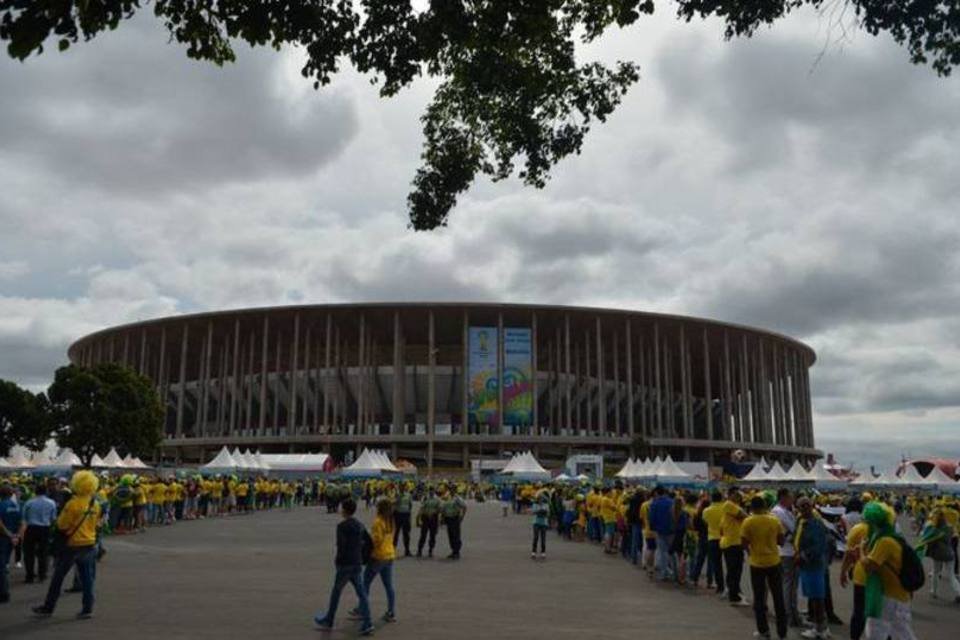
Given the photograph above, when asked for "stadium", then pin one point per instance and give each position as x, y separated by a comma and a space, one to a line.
575, 380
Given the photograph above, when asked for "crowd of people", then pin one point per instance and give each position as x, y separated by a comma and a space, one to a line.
787, 542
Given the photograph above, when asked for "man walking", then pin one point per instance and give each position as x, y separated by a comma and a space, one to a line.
39, 514
712, 516
453, 510
401, 519
784, 513
351, 537
731, 544
762, 534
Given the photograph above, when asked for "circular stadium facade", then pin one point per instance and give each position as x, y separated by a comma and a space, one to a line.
575, 380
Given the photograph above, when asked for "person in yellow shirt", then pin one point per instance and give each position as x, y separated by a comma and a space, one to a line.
731, 543
649, 537
594, 524
762, 534
711, 516
852, 568
78, 522
382, 556
883, 556
608, 515
139, 507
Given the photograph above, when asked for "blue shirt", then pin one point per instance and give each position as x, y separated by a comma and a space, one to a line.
10, 515
661, 515
40, 512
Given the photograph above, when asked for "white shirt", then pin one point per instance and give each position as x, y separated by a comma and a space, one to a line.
789, 522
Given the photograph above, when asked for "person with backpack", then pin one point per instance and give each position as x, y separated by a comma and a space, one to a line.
894, 571
935, 543
77, 545
810, 544
353, 543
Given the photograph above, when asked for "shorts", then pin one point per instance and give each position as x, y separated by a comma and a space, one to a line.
651, 544
814, 584
609, 528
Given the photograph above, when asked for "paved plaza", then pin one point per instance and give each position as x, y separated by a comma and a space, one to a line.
263, 576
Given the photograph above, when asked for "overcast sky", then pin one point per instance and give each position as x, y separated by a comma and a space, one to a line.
742, 181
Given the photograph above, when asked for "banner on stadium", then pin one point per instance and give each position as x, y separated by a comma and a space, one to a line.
482, 367
517, 377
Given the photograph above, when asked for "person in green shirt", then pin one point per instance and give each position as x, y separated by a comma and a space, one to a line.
453, 510
402, 507
428, 519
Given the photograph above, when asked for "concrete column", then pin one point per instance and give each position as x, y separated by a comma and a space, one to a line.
308, 390
264, 355
208, 363
616, 384
578, 381
746, 415
318, 388
142, 365
432, 390
361, 343
588, 383
250, 380
200, 414
601, 384
160, 367
182, 379
657, 405
126, 349
233, 381
644, 427
535, 362
628, 350
684, 385
708, 388
326, 374
222, 387
276, 383
398, 409
294, 363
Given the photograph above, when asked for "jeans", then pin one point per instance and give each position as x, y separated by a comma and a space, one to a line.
762, 579
453, 534
636, 541
348, 574
788, 569
401, 524
666, 562
385, 571
733, 557
6, 548
540, 533
715, 564
85, 559
35, 551
696, 565
858, 619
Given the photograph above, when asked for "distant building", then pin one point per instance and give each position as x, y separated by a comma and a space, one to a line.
575, 380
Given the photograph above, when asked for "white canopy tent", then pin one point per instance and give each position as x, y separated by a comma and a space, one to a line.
112, 460
823, 479
911, 477
97, 462
222, 463
757, 474
669, 473
4, 464
631, 469
20, 459
796, 473
369, 463
776, 474
942, 481
298, 462
524, 466
64, 461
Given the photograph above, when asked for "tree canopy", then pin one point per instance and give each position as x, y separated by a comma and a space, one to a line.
106, 406
512, 91
24, 418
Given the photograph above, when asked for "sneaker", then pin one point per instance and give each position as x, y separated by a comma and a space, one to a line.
84, 615
367, 631
19, 565
543, 556
742, 602
533, 555
389, 617
42, 611
322, 623
757, 634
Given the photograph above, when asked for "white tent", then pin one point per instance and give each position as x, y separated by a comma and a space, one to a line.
776, 474
669, 472
942, 481
112, 460
764, 464
137, 463
757, 474
797, 473
823, 479
299, 462
630, 469
19, 460
911, 476
583, 477
222, 463
239, 459
97, 462
524, 466
563, 478
4, 464
369, 463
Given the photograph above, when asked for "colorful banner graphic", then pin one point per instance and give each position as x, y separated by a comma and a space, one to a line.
482, 368
517, 377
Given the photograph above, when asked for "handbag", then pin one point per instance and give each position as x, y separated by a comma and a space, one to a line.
59, 539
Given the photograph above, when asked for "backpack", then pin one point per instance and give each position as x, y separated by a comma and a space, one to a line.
366, 547
912, 576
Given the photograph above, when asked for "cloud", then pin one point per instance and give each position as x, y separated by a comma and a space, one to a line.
738, 181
